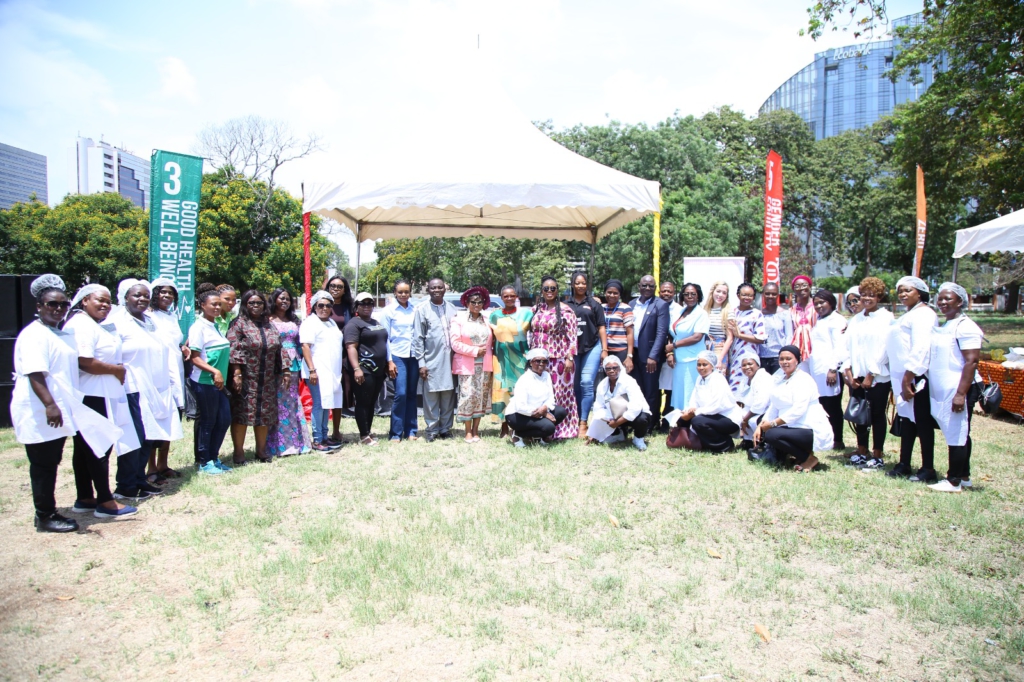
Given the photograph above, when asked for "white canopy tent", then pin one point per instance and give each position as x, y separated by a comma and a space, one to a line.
464, 162
1005, 233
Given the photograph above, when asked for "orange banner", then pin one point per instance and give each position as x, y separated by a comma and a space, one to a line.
922, 223
772, 216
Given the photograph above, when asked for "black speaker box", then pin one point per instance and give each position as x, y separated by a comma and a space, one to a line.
10, 305
28, 303
6, 391
6, 359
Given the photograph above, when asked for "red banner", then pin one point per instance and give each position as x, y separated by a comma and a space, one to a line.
305, 259
772, 216
922, 223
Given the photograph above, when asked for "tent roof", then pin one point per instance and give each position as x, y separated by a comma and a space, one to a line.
470, 164
1005, 233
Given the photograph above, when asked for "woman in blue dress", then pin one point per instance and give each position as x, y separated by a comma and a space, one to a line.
688, 333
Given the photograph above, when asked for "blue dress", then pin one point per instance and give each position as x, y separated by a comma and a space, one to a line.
684, 376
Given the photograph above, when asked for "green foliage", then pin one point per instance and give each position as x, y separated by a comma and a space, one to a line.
834, 283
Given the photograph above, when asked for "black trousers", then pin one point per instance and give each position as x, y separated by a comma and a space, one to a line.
792, 442
648, 382
535, 427
770, 365
639, 426
131, 466
960, 455
43, 460
366, 399
715, 431
834, 409
921, 428
878, 396
91, 470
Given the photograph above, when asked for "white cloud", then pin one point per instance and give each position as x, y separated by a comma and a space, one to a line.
176, 80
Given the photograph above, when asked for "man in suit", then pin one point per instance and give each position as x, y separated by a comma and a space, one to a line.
650, 325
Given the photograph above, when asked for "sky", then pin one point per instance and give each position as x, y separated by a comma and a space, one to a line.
152, 75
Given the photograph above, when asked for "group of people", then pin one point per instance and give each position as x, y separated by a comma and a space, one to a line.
120, 377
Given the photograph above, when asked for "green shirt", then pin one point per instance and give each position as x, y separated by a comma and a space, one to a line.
206, 340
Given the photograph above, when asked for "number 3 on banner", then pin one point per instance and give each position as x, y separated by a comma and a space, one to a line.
174, 186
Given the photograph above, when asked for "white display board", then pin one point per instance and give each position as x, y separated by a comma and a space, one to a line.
707, 271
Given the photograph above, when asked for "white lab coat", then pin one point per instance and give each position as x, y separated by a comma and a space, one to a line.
626, 387
908, 347
944, 370
795, 401
148, 373
828, 342
325, 344
712, 395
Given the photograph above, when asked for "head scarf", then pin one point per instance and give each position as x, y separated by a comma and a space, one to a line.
852, 291
792, 349
535, 353
956, 289
612, 360
473, 291
162, 282
125, 286
915, 282
828, 297
748, 355
801, 277
710, 356
319, 296
614, 284
87, 290
43, 282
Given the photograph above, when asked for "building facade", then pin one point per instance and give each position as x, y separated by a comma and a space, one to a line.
100, 167
846, 88
22, 174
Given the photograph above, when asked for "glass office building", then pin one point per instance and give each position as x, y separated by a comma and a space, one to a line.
22, 174
846, 88
101, 167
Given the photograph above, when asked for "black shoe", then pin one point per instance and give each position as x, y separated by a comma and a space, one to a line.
129, 494
150, 489
55, 523
747, 445
429, 438
899, 471
925, 476
445, 436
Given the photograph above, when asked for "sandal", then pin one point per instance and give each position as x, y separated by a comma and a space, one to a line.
169, 473
264, 460
156, 479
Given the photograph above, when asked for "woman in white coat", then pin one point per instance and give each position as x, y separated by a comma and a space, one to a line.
713, 413
101, 377
322, 351
824, 364
954, 383
754, 399
46, 406
795, 424
618, 392
163, 311
908, 349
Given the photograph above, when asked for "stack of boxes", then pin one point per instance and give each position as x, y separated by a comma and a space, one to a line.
17, 310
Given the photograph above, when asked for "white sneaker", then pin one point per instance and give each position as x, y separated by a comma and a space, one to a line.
640, 444
944, 486
616, 437
965, 483
517, 441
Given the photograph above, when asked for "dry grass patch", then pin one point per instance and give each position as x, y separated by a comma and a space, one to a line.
456, 561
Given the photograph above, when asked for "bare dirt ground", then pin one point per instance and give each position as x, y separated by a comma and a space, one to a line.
452, 561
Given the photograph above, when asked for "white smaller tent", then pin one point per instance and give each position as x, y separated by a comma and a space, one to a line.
1005, 233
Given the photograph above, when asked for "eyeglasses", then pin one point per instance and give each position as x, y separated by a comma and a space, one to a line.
541, 361
56, 305
475, 302
549, 288
689, 294
364, 302
323, 306
611, 368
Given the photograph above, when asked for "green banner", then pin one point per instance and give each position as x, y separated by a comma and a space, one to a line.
175, 188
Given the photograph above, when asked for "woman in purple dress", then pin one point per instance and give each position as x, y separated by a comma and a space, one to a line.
290, 435
554, 329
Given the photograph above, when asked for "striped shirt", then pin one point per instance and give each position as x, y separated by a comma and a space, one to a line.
617, 320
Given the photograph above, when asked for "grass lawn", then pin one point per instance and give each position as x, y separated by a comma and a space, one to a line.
1001, 331
452, 561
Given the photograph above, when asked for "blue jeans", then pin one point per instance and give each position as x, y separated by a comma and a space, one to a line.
131, 466
403, 409
584, 383
214, 420
321, 417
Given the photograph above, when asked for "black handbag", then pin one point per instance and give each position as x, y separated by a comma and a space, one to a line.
191, 404
896, 428
858, 411
991, 397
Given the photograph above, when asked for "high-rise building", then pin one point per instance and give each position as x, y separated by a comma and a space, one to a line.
22, 174
100, 167
845, 88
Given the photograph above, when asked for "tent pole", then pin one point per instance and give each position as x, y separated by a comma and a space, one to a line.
359, 252
593, 250
657, 243
956, 266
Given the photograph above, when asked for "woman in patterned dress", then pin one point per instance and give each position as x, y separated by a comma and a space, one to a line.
748, 332
289, 436
257, 364
472, 361
804, 318
510, 325
554, 329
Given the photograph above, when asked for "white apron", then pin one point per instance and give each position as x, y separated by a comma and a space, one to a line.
944, 370
118, 413
894, 349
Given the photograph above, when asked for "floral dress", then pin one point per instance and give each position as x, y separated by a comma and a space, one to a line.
474, 392
257, 349
750, 322
290, 435
510, 346
560, 343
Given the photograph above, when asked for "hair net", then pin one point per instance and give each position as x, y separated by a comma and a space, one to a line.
748, 355
126, 285
535, 353
320, 296
163, 282
915, 282
87, 290
791, 349
710, 356
43, 282
956, 289
852, 291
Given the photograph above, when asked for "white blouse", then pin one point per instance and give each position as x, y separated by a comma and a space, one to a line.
626, 387
829, 346
147, 362
865, 345
532, 391
909, 343
712, 395
755, 400
795, 401
43, 349
169, 331
325, 345
99, 342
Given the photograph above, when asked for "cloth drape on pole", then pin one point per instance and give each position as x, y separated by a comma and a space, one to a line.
922, 224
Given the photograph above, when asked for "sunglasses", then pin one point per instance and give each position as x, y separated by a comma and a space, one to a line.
323, 306
337, 286
539, 360
364, 302
611, 368
256, 304
549, 288
56, 305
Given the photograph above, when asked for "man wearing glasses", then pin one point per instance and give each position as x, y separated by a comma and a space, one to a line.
432, 348
650, 322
